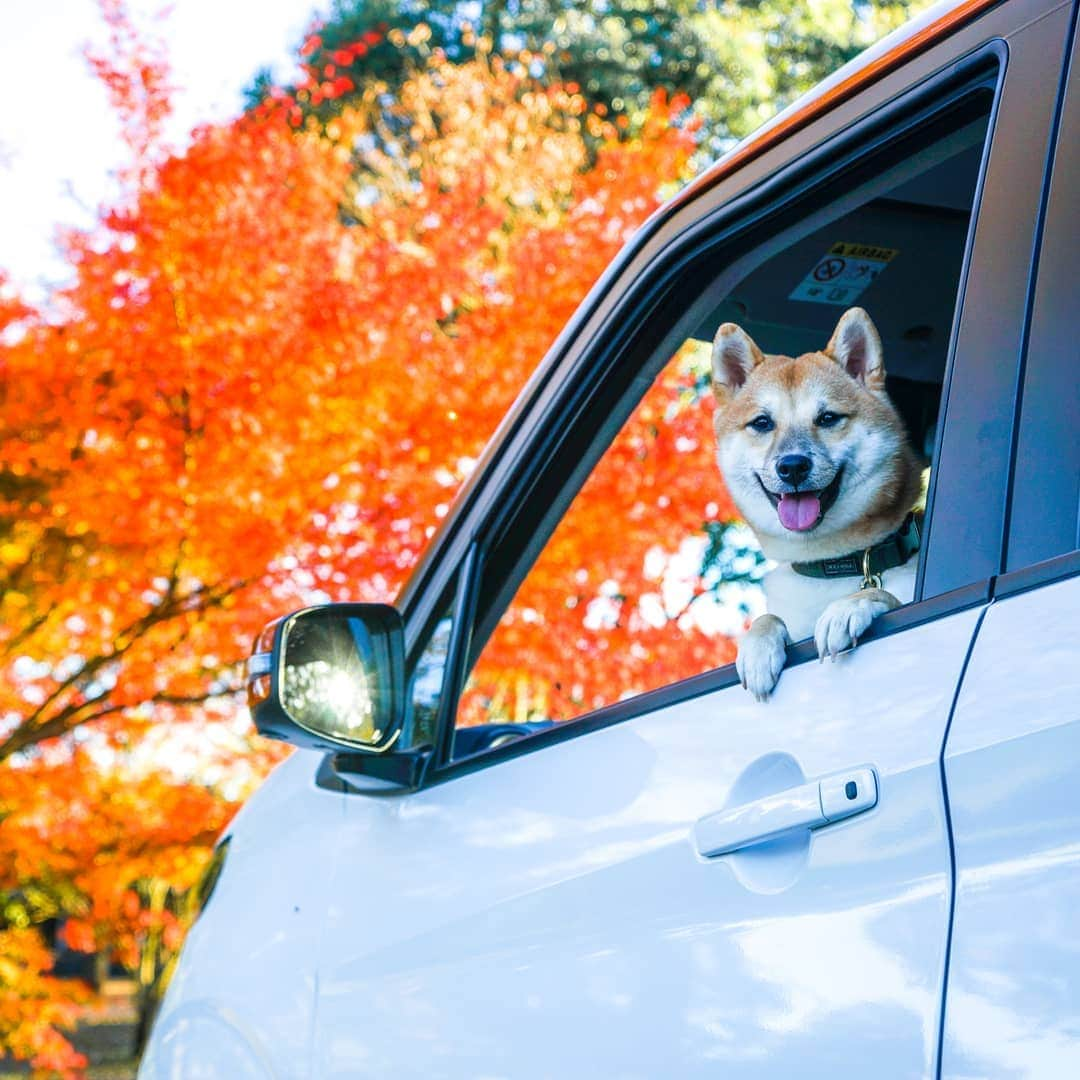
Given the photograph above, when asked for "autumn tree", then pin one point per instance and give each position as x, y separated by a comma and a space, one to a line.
34, 1005
252, 386
110, 851
616, 54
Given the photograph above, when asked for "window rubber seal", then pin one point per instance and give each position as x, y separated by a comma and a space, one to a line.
1059, 568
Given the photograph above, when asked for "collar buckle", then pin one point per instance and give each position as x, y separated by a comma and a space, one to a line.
869, 580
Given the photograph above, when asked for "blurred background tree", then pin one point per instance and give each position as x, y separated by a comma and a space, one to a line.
739, 61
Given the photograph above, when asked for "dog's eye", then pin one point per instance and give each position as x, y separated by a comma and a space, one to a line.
761, 423
828, 419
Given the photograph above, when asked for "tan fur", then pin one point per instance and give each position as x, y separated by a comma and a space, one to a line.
865, 455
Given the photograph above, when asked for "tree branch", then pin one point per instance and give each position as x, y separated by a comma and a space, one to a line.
68, 719
39, 725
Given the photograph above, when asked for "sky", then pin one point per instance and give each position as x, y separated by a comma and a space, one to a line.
59, 144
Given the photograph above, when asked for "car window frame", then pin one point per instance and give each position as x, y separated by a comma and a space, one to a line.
652, 349
881, 115
925, 48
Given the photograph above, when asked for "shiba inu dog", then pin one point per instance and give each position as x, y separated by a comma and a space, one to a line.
817, 460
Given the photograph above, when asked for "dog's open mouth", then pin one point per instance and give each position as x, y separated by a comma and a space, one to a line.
801, 511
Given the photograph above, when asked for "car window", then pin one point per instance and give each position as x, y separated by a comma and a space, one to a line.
651, 574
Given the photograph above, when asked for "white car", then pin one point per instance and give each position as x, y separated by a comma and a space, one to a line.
877, 870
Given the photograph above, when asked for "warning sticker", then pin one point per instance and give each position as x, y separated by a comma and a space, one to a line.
843, 273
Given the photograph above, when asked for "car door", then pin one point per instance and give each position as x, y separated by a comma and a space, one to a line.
1012, 760
555, 906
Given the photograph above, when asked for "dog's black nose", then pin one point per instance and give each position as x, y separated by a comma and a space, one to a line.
793, 468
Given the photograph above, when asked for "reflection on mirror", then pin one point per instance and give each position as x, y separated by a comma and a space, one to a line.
427, 685
329, 677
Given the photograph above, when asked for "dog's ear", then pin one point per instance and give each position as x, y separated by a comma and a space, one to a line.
734, 356
856, 347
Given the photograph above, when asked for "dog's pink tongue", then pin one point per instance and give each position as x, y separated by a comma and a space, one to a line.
799, 510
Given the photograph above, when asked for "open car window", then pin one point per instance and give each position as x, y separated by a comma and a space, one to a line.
650, 574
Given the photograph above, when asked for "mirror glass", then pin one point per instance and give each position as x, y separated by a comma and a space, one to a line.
330, 676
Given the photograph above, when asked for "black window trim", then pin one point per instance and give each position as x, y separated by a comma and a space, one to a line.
907, 617
978, 428
1044, 279
1059, 568
458, 652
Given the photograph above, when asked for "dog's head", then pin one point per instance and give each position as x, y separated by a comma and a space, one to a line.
810, 447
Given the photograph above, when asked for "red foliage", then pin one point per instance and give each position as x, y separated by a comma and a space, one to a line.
34, 1006
248, 403
113, 851
135, 74
554, 655
266, 381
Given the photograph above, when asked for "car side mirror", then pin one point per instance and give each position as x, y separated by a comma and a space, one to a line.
331, 678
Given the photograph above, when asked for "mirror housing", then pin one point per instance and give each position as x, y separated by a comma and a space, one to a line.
331, 678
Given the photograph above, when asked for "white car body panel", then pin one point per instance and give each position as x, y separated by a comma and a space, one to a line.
1013, 772
240, 1005
551, 917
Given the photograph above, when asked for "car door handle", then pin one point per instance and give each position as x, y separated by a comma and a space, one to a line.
808, 806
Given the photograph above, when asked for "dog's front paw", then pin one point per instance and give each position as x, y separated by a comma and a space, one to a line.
844, 621
761, 656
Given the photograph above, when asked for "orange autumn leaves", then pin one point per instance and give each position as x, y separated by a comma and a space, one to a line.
34, 1005
85, 842
278, 356
114, 853
247, 401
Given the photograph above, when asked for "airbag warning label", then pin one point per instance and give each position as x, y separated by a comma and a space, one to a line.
843, 273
